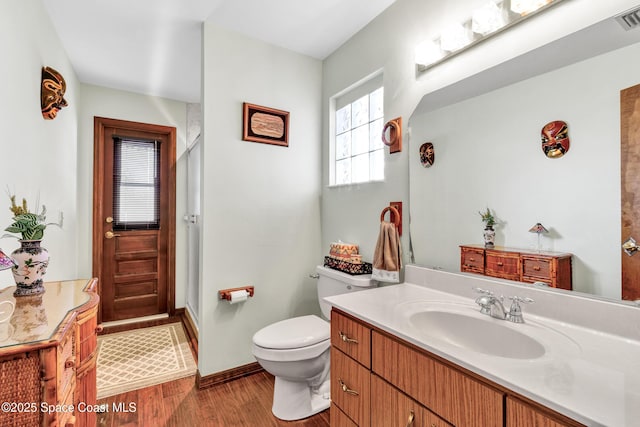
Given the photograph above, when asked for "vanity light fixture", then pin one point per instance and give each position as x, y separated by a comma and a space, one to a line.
486, 21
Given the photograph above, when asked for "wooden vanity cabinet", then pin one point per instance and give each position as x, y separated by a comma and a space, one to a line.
49, 361
552, 268
379, 380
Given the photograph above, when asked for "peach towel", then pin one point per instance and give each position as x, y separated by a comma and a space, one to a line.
387, 257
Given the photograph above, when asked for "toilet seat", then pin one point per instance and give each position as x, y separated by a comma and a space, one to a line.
298, 338
296, 332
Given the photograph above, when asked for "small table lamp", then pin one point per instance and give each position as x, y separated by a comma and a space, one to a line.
538, 229
6, 261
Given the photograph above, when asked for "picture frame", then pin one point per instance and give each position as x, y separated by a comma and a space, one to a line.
265, 125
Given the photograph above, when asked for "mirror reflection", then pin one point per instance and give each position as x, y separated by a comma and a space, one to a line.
489, 156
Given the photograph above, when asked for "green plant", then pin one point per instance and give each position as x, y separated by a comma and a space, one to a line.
487, 217
28, 225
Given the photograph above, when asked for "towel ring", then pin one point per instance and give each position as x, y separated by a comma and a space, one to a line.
394, 215
394, 133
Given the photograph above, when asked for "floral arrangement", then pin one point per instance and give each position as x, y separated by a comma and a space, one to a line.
30, 226
487, 217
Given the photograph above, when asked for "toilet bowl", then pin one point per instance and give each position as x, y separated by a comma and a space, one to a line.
296, 351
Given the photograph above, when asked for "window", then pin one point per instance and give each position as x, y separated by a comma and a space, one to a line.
136, 185
358, 150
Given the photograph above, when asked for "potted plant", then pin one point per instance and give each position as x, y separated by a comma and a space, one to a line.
31, 260
489, 233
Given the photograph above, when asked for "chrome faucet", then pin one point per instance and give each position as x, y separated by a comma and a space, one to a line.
492, 306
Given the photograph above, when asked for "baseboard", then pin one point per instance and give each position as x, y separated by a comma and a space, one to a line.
192, 334
228, 375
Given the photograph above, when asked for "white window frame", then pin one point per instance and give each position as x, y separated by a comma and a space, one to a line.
348, 96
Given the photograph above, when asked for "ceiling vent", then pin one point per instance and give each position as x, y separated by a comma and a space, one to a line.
630, 19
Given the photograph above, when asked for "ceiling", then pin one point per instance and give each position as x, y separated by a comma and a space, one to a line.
154, 46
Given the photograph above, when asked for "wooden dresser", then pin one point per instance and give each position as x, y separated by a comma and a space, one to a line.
552, 268
48, 356
380, 380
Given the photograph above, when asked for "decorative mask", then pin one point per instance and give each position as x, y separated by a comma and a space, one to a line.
555, 139
52, 93
427, 154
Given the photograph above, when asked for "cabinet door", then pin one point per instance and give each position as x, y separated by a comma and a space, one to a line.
339, 419
350, 388
519, 414
453, 395
390, 408
505, 265
471, 260
351, 337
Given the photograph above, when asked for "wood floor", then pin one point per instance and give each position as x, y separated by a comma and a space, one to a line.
240, 403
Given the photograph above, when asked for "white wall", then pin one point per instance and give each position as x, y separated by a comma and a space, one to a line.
38, 156
260, 202
102, 102
488, 153
387, 44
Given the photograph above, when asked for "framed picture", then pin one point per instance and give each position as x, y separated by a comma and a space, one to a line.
266, 125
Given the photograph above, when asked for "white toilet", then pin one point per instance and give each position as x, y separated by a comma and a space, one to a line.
296, 351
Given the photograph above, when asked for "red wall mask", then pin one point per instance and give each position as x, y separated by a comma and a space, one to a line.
555, 139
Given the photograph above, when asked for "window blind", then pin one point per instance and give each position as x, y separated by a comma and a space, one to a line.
136, 184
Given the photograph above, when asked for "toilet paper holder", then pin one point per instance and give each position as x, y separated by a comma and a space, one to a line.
226, 293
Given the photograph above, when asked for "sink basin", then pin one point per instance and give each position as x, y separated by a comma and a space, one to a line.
477, 332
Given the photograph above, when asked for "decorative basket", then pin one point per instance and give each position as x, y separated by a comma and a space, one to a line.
347, 267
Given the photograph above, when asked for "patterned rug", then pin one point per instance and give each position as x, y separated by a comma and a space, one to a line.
141, 358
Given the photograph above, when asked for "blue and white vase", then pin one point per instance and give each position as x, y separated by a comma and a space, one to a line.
489, 236
31, 261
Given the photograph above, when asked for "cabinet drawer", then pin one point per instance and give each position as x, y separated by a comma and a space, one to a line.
339, 419
350, 388
351, 337
503, 265
391, 407
438, 387
472, 260
536, 267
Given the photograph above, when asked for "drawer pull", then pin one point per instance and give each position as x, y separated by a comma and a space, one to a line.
536, 268
412, 416
70, 363
345, 338
500, 264
346, 389
99, 329
472, 259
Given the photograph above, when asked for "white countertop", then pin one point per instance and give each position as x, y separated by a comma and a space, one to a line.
586, 374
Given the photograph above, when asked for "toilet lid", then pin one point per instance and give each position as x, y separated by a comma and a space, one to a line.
296, 332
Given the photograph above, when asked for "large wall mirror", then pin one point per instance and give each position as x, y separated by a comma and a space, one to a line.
489, 155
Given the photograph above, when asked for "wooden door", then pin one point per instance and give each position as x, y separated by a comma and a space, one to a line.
630, 186
134, 218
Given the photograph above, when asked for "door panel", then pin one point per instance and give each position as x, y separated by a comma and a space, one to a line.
133, 258
630, 186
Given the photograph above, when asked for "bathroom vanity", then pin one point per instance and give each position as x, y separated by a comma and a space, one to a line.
413, 354
48, 352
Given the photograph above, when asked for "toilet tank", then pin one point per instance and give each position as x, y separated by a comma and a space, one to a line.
334, 282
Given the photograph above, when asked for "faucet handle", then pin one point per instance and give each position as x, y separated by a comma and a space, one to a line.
515, 311
482, 291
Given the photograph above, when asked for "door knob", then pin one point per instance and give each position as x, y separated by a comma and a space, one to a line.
110, 235
630, 247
